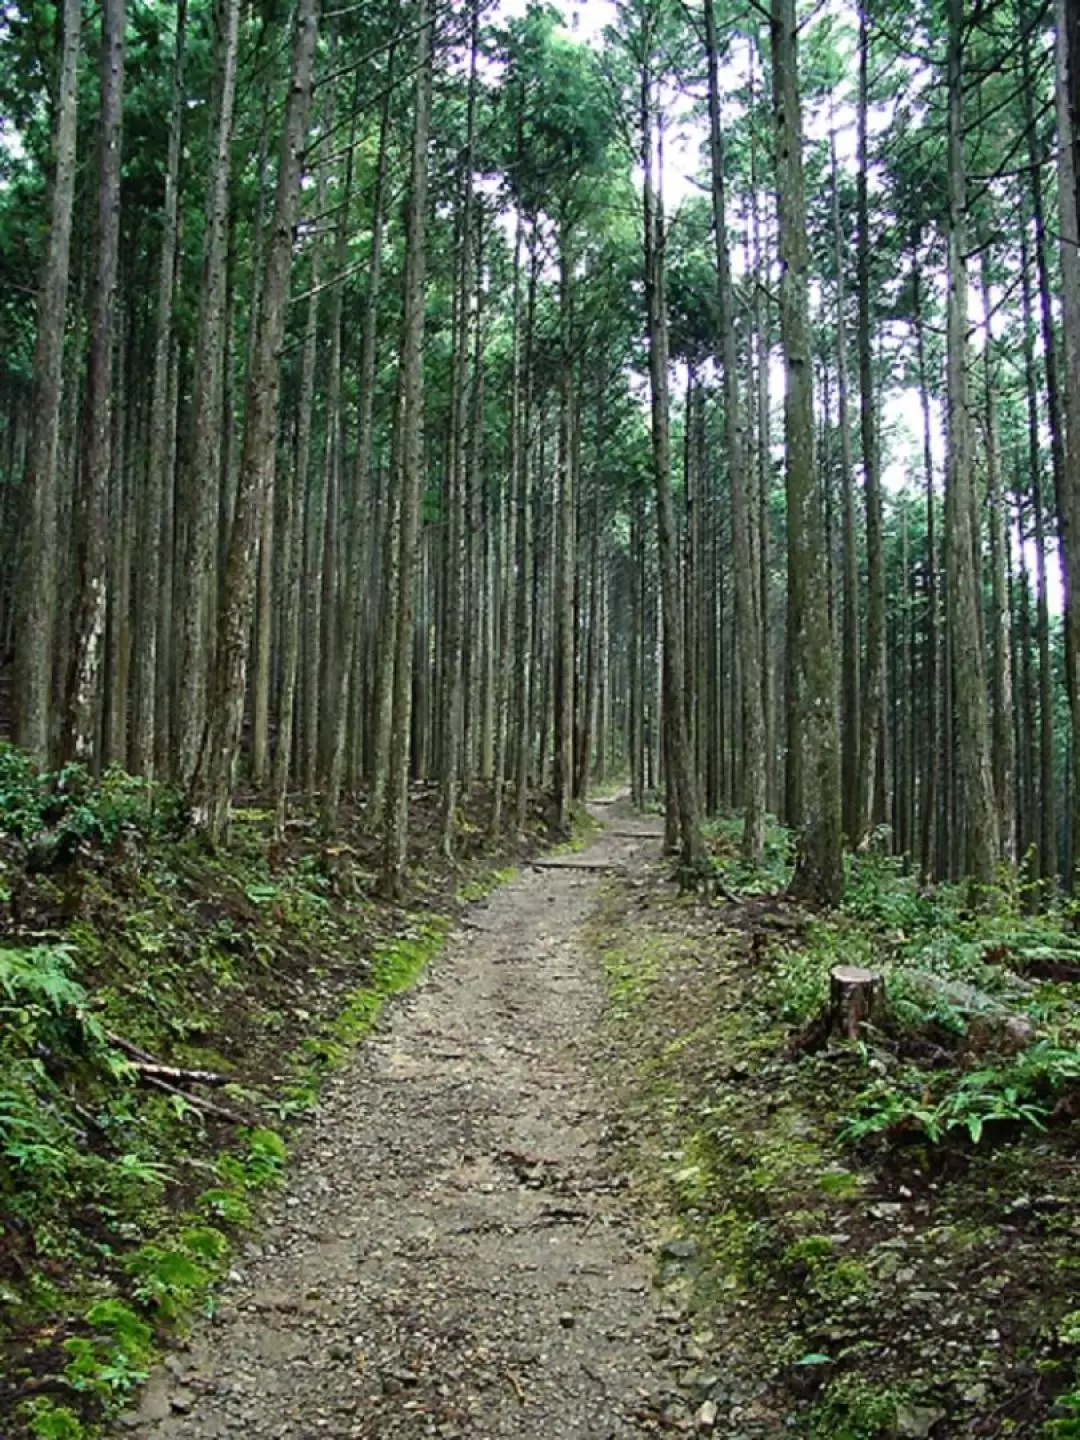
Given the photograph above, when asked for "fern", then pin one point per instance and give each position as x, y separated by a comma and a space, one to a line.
42, 976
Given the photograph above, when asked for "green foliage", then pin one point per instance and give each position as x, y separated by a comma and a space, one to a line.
114, 1359
44, 1009
1066, 1425
1015, 1092
265, 1159
856, 1409
724, 839
225, 1204
48, 1421
169, 1278
52, 814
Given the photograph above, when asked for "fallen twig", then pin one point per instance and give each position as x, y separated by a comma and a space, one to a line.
119, 1043
197, 1102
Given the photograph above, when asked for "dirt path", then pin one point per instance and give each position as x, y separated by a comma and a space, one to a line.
452, 1257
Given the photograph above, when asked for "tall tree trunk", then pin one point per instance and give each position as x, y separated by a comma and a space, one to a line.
744, 507
765, 585
872, 718
682, 782
349, 676
217, 761
819, 871
36, 597
452, 702
121, 532
158, 468
166, 630
1047, 790
410, 418
563, 753
968, 667
88, 631
524, 608
1030, 818
928, 816
1034, 185
201, 483
1004, 757
332, 660
850, 686
292, 544
1067, 14
513, 580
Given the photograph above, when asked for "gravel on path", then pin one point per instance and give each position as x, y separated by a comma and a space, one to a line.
453, 1256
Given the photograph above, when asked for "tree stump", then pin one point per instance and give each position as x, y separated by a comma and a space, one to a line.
856, 1000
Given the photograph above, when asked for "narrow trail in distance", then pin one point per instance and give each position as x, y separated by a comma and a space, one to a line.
453, 1255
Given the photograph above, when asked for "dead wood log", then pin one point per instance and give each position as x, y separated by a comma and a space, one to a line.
856, 1001
990, 1024
588, 867
146, 1065
178, 1075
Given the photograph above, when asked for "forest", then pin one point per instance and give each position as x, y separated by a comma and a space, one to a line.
418, 420
370, 415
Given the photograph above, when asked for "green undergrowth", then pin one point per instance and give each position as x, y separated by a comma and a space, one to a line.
121, 936
876, 1238
583, 831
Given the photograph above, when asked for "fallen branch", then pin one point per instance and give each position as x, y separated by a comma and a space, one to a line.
176, 1073
197, 1102
148, 1066
119, 1043
587, 866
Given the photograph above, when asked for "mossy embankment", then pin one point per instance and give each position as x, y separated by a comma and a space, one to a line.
865, 1240
132, 960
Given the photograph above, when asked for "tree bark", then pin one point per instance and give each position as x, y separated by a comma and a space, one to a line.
819, 871
1048, 799
1067, 14
744, 507
968, 667
683, 787
411, 421
451, 706
88, 631
159, 466
929, 811
37, 598
850, 668
348, 689
202, 480
873, 708
563, 752
214, 777
1004, 755
512, 578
